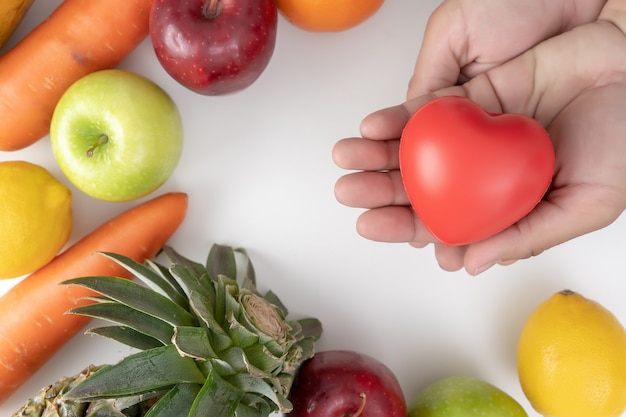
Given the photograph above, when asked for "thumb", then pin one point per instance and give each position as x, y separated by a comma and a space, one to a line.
568, 213
438, 65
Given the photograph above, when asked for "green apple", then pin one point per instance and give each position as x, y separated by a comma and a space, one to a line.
116, 135
463, 396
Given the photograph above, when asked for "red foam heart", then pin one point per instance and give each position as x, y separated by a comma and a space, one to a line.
470, 174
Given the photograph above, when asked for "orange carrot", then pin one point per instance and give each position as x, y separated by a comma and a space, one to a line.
33, 323
79, 37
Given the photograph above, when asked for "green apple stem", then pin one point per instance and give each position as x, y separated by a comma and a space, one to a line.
211, 9
101, 141
362, 407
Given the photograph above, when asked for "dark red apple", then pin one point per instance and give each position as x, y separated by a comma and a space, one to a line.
214, 47
343, 383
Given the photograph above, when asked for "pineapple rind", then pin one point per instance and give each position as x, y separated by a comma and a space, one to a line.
51, 401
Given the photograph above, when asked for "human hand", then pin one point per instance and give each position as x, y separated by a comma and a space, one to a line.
576, 89
464, 38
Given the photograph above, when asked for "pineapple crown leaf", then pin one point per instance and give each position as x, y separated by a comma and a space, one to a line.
140, 298
207, 337
193, 342
221, 261
176, 402
126, 336
153, 275
311, 328
216, 397
148, 371
129, 317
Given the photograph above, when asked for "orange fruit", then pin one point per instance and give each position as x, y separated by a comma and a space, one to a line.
327, 15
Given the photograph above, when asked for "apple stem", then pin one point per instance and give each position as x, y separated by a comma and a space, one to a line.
362, 407
211, 9
101, 140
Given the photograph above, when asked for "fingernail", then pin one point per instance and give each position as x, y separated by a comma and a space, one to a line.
484, 267
506, 263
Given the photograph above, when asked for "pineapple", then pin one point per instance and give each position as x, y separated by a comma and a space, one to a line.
208, 344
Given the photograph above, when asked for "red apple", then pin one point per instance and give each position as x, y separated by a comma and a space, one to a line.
342, 383
214, 47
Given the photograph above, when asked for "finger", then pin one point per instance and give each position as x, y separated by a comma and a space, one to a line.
366, 155
544, 80
393, 224
571, 212
371, 189
388, 123
459, 41
450, 258
438, 65
419, 245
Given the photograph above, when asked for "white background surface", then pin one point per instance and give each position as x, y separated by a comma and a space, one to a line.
257, 167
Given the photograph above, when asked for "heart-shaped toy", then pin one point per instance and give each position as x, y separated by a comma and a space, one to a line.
470, 174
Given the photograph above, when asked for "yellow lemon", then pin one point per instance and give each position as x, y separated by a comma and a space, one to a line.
571, 358
35, 219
